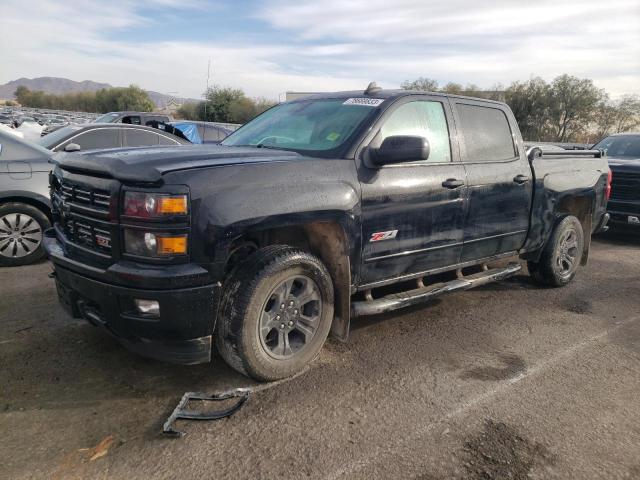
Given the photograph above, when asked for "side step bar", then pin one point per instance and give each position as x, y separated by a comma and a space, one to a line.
419, 295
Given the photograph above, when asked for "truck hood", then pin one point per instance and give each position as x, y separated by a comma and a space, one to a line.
148, 165
624, 164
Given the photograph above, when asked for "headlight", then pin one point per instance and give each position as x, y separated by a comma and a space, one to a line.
148, 244
154, 205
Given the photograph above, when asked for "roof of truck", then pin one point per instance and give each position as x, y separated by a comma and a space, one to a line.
387, 94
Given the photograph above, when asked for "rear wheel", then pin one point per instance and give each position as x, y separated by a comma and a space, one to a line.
276, 313
21, 231
561, 256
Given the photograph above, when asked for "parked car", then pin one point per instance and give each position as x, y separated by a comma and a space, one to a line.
18, 121
24, 200
103, 135
201, 132
623, 151
264, 244
134, 118
6, 119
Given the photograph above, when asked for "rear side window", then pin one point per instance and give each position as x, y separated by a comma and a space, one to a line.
486, 135
98, 138
139, 138
133, 119
167, 141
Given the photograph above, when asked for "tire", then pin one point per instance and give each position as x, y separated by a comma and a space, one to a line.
276, 313
22, 229
561, 255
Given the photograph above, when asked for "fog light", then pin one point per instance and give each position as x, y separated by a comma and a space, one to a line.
147, 307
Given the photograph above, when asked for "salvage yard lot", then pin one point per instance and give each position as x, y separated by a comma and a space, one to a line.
504, 381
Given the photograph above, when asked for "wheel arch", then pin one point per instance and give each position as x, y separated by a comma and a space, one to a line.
326, 239
38, 201
579, 206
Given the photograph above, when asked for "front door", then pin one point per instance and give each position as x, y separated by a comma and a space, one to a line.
413, 212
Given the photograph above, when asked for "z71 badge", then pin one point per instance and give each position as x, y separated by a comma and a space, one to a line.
388, 235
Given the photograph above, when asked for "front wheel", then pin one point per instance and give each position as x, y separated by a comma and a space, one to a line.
276, 313
561, 256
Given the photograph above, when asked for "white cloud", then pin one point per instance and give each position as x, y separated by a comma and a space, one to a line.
479, 42
329, 45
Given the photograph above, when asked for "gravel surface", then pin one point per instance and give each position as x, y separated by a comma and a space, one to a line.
507, 381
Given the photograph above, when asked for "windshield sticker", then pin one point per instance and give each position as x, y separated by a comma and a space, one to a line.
332, 137
366, 102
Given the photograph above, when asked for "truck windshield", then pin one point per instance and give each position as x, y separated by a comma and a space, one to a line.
620, 146
311, 125
106, 118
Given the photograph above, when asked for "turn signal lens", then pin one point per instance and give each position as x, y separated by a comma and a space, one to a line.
152, 205
147, 244
172, 245
173, 205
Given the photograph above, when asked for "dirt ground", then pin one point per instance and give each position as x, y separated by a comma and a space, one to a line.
508, 381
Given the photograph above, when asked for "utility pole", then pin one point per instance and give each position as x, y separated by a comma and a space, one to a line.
206, 92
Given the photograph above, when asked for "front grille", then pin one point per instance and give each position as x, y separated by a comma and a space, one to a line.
82, 213
95, 198
84, 232
625, 186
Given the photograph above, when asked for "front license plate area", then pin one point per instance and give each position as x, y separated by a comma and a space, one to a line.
67, 299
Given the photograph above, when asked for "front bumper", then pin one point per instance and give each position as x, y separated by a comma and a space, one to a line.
182, 332
624, 213
625, 219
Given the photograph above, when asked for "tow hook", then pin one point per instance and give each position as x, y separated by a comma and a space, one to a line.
182, 413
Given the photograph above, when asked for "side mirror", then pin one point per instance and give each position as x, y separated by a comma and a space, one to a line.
72, 147
400, 148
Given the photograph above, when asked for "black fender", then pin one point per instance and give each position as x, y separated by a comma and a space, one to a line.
558, 193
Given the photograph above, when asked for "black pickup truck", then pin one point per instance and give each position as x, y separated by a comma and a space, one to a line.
265, 244
623, 154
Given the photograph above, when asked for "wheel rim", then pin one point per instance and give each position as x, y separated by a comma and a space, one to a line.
20, 235
290, 317
567, 255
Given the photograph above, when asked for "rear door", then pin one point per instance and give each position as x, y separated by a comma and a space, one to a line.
413, 213
498, 176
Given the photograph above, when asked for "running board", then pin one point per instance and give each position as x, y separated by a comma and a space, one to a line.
419, 295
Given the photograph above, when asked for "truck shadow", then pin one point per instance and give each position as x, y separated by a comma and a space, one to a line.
77, 365
619, 237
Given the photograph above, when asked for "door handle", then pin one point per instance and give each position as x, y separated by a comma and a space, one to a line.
520, 179
452, 183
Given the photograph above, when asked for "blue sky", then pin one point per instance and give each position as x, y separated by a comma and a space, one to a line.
273, 46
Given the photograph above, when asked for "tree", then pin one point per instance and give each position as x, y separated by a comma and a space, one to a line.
627, 113
421, 83
22, 95
453, 88
121, 99
605, 119
188, 111
217, 106
105, 100
573, 105
529, 102
230, 105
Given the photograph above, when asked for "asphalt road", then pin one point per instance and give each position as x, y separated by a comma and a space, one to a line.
505, 381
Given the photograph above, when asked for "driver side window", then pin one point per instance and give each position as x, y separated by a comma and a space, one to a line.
425, 119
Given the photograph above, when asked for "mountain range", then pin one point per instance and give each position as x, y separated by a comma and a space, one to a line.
58, 86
